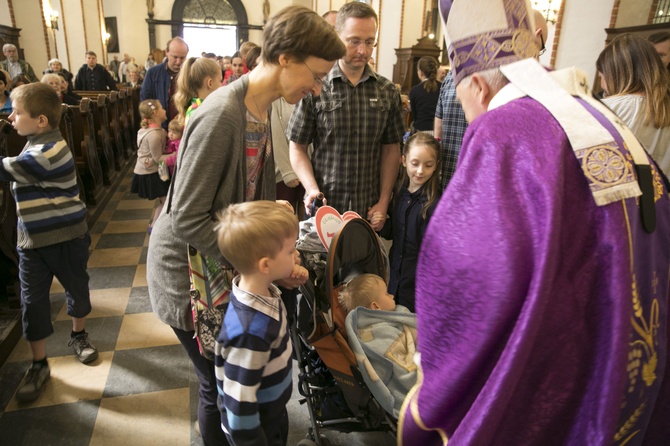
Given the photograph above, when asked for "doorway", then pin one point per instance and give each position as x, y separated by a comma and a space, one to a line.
218, 39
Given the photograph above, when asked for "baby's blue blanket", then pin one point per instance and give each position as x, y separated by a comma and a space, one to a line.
384, 343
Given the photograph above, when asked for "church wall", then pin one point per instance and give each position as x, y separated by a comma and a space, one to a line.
91, 15
30, 19
389, 36
132, 28
60, 43
323, 6
583, 34
72, 15
633, 13
5, 18
412, 24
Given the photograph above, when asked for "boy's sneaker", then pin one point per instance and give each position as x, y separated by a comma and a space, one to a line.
85, 351
31, 386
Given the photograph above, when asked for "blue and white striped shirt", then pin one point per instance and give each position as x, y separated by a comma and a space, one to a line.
44, 186
253, 365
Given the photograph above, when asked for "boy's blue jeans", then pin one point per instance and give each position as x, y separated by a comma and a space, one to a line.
37, 268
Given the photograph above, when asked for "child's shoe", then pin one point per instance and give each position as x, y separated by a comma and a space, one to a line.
85, 351
32, 384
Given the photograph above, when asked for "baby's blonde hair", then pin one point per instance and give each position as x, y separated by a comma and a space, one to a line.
360, 291
176, 126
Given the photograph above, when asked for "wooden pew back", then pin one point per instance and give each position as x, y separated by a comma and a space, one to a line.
86, 151
119, 121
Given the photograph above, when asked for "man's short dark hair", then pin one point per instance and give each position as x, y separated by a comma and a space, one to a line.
357, 10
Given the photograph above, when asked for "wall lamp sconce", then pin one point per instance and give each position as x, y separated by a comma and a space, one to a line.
53, 16
106, 36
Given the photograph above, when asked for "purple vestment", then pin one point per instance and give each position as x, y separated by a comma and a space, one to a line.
542, 318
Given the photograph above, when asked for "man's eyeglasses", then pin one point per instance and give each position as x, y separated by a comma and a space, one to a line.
542, 47
355, 43
319, 81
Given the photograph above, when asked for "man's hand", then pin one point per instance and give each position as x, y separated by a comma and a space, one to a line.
310, 197
377, 216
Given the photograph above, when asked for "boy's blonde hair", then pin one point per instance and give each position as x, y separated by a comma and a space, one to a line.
360, 291
249, 231
39, 99
176, 126
147, 110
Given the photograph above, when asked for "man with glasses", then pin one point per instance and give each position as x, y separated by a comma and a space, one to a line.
160, 82
355, 126
15, 66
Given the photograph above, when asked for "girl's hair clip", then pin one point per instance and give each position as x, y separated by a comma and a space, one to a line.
152, 106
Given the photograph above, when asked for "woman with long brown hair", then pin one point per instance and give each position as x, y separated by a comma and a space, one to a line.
637, 88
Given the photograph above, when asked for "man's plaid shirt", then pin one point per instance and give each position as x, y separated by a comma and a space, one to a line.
451, 113
347, 125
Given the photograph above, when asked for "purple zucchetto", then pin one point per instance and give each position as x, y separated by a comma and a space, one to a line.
485, 34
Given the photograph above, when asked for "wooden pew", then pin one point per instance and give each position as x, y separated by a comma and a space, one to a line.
66, 131
135, 104
132, 103
85, 150
125, 120
103, 139
121, 152
11, 144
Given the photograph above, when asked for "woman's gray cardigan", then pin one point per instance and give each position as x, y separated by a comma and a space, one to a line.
211, 174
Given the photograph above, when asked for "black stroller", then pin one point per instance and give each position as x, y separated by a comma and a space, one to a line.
329, 380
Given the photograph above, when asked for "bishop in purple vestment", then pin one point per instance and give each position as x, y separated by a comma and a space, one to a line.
542, 284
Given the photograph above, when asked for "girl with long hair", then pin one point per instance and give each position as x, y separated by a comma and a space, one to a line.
637, 88
414, 203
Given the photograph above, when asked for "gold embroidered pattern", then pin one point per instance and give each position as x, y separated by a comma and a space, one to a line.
657, 183
605, 166
646, 331
642, 355
630, 423
523, 42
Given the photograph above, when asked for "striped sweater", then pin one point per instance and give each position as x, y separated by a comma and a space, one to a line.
253, 365
44, 186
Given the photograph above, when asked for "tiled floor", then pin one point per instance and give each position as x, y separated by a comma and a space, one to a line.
142, 389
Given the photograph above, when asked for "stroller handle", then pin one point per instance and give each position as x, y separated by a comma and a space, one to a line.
316, 203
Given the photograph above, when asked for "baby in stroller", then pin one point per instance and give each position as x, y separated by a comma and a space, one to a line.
382, 336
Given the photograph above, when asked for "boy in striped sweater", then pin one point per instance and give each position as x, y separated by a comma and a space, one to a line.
253, 351
52, 232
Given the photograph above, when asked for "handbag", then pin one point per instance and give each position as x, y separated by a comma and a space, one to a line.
211, 283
